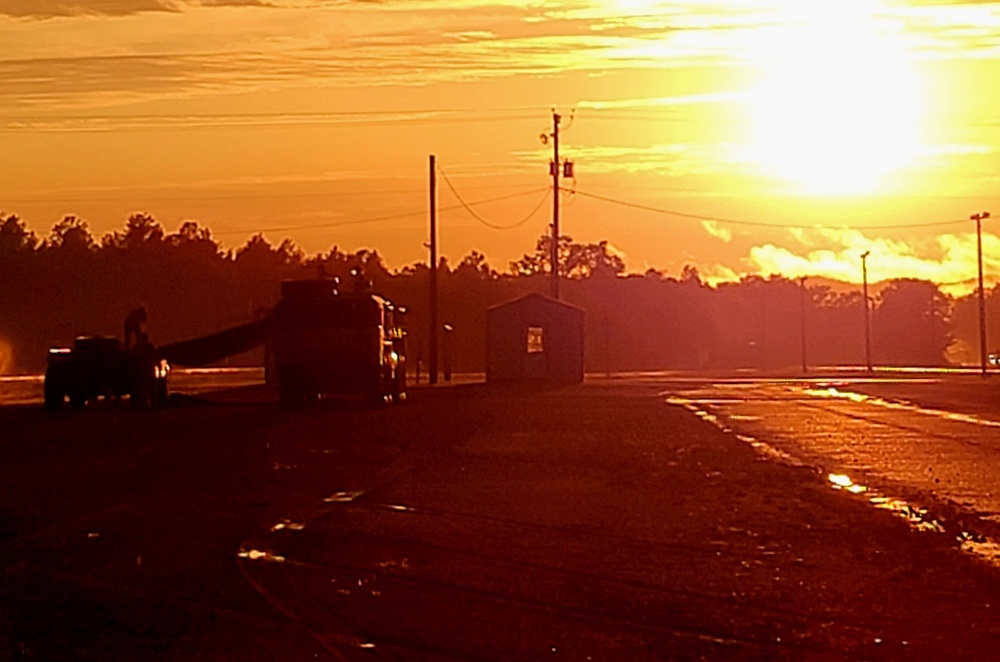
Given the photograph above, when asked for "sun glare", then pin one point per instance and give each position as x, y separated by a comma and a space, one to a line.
838, 106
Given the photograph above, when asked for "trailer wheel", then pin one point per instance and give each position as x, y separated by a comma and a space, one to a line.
160, 395
398, 387
55, 393
291, 388
77, 399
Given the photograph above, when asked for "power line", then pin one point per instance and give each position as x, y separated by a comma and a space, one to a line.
482, 220
376, 219
736, 221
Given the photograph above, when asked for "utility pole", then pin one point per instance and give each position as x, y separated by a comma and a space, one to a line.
978, 218
555, 167
433, 357
868, 321
802, 319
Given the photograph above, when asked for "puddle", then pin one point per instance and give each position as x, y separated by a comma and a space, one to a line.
844, 482
393, 564
288, 525
343, 497
257, 555
916, 516
984, 549
675, 400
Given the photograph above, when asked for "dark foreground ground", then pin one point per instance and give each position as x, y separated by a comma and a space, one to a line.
593, 522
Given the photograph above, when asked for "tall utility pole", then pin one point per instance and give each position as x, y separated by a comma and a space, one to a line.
555, 168
978, 218
868, 321
433, 354
802, 320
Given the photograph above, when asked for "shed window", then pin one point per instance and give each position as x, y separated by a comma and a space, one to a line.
535, 344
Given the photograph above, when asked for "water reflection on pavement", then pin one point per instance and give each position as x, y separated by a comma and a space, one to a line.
935, 467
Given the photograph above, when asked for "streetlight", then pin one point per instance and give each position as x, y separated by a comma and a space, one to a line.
978, 218
446, 350
802, 320
868, 323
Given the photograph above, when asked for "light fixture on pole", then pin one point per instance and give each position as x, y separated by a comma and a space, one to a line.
802, 321
868, 323
978, 218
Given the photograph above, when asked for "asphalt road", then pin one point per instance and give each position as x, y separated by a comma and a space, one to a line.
927, 447
641, 518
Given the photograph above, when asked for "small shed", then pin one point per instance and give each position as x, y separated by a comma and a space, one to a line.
534, 338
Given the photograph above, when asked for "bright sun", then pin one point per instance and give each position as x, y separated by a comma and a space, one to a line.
838, 107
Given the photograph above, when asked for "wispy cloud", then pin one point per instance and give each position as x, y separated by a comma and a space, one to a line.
948, 259
257, 43
717, 231
54, 8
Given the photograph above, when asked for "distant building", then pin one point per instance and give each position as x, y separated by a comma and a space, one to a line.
536, 339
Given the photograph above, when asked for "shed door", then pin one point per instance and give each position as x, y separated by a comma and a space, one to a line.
536, 358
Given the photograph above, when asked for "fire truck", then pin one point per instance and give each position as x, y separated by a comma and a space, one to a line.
325, 342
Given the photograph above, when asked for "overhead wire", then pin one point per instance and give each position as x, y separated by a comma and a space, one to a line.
377, 219
736, 221
482, 220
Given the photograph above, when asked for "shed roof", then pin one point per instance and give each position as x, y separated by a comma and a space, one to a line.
533, 296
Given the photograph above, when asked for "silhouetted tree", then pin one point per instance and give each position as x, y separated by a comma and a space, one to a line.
475, 266
585, 260
140, 230
649, 321
690, 275
540, 261
15, 237
910, 323
71, 234
575, 260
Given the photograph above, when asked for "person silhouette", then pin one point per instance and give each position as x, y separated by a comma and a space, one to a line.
133, 324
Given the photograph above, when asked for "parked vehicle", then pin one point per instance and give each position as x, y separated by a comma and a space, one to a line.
100, 367
324, 342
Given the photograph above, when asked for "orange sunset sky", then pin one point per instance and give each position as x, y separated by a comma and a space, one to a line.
791, 135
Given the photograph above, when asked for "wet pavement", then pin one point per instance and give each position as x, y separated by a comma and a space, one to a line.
643, 518
602, 524
938, 467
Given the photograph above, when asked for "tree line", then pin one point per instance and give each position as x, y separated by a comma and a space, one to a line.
72, 283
